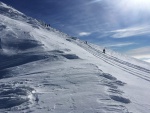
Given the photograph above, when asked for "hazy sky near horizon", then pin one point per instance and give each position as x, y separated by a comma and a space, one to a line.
121, 25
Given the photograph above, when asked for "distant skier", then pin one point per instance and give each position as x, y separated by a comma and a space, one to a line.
104, 50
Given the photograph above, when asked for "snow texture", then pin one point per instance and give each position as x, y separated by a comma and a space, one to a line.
43, 70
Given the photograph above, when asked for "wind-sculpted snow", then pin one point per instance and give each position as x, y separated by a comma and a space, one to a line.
20, 44
112, 83
12, 95
58, 86
71, 56
11, 12
15, 14
120, 99
2, 27
108, 76
43, 70
8, 61
19, 59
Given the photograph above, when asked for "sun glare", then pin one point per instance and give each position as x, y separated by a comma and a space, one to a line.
143, 5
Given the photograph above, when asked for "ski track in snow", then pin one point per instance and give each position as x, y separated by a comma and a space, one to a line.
134, 69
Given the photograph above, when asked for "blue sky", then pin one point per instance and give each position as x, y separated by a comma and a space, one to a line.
121, 25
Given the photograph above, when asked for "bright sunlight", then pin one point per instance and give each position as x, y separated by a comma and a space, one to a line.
143, 5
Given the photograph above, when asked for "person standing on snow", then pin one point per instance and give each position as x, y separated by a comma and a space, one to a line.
104, 50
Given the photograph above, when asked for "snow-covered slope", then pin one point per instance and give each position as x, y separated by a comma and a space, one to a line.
45, 71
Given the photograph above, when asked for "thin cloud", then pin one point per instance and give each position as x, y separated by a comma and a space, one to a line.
120, 45
140, 53
84, 33
147, 60
94, 1
132, 31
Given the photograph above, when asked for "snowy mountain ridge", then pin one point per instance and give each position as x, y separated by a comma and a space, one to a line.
44, 70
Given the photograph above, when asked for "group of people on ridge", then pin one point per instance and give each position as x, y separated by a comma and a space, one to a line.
47, 25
